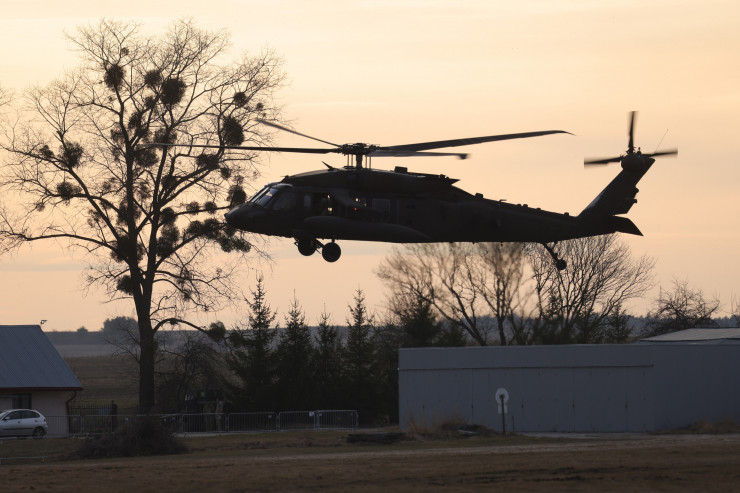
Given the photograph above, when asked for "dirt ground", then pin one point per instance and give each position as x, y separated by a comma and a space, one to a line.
325, 462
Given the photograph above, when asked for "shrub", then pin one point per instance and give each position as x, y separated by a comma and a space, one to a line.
144, 436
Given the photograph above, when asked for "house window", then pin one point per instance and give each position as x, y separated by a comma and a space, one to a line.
22, 401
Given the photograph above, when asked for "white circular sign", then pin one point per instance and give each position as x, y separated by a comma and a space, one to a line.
502, 392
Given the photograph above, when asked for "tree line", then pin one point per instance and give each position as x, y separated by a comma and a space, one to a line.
512, 293
268, 364
261, 365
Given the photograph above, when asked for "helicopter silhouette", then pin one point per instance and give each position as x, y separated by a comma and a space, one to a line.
357, 202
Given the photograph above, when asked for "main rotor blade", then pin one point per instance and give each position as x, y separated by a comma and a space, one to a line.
472, 140
306, 150
286, 129
385, 153
631, 145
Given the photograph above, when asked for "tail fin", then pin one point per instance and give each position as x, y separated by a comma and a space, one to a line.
619, 196
624, 225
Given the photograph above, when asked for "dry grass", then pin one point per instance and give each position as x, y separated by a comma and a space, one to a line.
722, 427
324, 461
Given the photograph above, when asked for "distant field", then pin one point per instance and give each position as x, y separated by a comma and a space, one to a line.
75, 344
106, 378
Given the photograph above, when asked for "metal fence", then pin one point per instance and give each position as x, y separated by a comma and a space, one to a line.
14, 449
183, 424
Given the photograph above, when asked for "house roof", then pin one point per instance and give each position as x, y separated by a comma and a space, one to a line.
729, 335
28, 360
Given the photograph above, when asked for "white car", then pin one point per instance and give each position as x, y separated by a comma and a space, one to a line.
22, 422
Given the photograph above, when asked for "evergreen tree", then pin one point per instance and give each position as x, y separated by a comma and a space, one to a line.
618, 330
359, 380
452, 335
295, 385
252, 357
327, 365
386, 341
419, 324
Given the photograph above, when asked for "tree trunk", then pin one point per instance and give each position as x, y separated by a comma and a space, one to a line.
146, 365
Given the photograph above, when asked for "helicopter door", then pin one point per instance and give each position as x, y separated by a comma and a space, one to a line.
407, 212
383, 206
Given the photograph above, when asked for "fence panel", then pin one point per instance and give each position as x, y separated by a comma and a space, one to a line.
336, 420
96, 424
296, 421
195, 423
23, 449
63, 426
251, 422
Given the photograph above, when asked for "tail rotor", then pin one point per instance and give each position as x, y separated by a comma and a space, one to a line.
627, 158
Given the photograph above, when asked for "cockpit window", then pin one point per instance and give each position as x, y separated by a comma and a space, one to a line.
285, 201
263, 197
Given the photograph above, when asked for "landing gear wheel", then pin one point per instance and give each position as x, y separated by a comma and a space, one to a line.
306, 246
331, 252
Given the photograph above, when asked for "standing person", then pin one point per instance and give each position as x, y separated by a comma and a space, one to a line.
113, 415
219, 411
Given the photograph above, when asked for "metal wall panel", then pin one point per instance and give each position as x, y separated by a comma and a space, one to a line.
589, 388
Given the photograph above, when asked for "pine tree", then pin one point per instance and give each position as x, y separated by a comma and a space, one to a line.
295, 386
419, 324
387, 339
359, 380
252, 357
327, 365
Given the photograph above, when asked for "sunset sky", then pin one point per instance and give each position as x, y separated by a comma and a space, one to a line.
405, 71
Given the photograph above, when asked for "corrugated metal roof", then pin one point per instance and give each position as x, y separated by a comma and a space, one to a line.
694, 335
28, 360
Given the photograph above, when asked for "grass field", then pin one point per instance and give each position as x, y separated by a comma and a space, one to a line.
324, 461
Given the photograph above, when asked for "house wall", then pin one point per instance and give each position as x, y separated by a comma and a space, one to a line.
53, 405
588, 388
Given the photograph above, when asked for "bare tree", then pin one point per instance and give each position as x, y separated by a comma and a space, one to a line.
466, 283
577, 304
5, 96
434, 273
500, 278
81, 163
680, 309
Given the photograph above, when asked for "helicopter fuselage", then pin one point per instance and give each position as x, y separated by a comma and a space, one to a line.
395, 206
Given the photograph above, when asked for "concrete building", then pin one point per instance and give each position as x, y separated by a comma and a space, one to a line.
32, 373
653, 385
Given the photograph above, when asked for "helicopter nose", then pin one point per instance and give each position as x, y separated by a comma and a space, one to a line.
244, 216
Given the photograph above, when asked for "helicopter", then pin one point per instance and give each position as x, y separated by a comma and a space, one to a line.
358, 202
